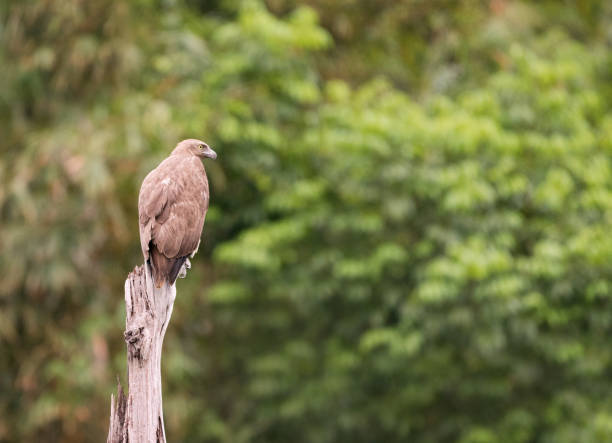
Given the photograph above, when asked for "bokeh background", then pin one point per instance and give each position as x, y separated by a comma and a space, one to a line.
409, 235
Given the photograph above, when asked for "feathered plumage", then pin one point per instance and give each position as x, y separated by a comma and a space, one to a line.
172, 206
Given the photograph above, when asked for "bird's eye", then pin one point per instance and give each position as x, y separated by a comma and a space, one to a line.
202, 146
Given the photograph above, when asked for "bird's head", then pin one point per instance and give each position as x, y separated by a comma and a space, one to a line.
195, 147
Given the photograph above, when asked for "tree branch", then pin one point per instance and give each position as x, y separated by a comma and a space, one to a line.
138, 417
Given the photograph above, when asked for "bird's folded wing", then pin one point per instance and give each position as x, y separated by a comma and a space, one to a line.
172, 215
179, 234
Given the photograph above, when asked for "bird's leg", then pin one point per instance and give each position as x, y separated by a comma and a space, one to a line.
187, 265
183, 272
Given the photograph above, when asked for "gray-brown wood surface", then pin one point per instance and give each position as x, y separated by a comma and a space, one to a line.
138, 416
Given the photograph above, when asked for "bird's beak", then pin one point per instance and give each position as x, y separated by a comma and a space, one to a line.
209, 153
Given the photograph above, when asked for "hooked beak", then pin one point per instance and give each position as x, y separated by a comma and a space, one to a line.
209, 153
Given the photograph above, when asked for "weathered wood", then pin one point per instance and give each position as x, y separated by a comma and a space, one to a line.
117, 417
138, 417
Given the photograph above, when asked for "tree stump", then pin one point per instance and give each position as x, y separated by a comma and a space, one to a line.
138, 417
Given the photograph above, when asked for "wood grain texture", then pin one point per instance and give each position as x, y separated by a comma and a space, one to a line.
138, 417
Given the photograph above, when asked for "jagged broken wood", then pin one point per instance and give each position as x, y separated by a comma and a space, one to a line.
138, 416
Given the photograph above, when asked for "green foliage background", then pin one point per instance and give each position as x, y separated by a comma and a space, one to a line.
409, 231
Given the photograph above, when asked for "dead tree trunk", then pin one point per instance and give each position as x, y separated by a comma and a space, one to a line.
138, 417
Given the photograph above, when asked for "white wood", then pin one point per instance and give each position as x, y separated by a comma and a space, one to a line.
138, 417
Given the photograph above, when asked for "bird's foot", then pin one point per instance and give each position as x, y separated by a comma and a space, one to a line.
183, 272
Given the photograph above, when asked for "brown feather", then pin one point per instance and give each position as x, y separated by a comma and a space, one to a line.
172, 208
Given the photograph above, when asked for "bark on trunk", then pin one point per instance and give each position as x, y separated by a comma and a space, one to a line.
138, 417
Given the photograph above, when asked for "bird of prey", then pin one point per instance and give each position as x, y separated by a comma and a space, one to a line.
172, 206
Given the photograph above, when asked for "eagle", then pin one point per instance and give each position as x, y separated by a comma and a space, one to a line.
172, 206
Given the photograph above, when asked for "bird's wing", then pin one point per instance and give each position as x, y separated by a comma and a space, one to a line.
172, 207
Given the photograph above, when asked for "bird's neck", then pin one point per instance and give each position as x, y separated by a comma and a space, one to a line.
180, 150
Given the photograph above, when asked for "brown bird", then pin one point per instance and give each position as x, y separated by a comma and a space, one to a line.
172, 206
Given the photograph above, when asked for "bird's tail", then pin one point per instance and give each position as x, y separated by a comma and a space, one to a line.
176, 268
159, 267
164, 269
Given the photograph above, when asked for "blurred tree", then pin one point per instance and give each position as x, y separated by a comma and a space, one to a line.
75, 121
438, 46
433, 272
407, 235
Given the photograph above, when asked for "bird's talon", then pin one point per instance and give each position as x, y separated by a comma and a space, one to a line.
183, 271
